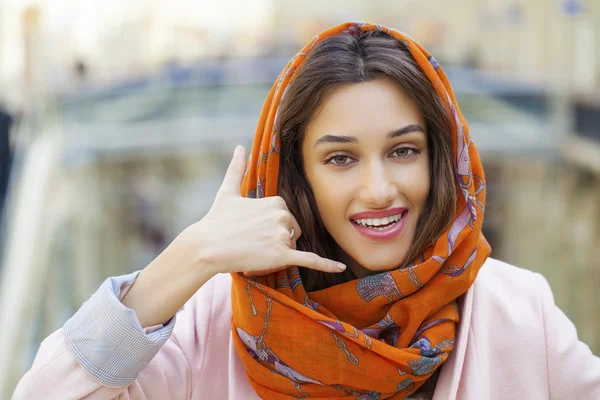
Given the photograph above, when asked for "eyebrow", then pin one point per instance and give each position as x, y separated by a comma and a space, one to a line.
351, 139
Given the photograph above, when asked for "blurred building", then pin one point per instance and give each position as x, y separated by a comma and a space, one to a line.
43, 41
537, 40
547, 41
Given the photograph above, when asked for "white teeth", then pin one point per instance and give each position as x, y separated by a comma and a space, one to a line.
376, 223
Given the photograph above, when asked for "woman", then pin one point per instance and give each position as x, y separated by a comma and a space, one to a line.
363, 175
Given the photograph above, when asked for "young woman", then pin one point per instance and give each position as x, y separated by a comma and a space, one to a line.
349, 265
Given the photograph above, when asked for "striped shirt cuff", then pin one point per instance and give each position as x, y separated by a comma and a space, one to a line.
107, 339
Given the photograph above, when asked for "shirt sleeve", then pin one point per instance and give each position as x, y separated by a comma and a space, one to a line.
105, 354
573, 371
124, 289
106, 338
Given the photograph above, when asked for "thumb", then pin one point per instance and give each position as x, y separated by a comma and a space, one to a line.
235, 172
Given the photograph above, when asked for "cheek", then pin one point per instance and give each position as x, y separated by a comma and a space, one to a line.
331, 195
424, 187
416, 184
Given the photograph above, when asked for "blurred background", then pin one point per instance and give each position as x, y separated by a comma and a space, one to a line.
118, 119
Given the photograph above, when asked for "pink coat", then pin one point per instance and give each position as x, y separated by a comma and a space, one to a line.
512, 343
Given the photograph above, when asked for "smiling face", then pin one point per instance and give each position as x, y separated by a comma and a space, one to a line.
366, 159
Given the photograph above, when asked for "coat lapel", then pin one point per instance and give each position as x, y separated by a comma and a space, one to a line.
449, 378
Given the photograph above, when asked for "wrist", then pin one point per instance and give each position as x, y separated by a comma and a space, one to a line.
203, 259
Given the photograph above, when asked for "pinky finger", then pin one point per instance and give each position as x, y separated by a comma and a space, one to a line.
313, 261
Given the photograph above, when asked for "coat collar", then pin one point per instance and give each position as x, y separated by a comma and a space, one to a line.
449, 378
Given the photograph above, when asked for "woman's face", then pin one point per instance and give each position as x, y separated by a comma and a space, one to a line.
366, 158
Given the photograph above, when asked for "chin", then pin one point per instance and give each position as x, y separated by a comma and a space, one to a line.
366, 257
381, 262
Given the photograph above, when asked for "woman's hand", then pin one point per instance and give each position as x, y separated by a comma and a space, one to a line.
238, 234
253, 236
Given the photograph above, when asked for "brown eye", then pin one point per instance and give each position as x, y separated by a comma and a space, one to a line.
404, 152
340, 160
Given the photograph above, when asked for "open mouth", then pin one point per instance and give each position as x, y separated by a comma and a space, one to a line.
380, 224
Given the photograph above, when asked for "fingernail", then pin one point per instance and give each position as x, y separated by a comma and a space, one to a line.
237, 150
340, 266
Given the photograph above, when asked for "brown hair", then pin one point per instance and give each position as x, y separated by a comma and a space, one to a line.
354, 58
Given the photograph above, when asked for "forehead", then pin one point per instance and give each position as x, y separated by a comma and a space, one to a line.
367, 109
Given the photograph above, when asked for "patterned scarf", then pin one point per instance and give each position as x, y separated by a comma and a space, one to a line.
378, 337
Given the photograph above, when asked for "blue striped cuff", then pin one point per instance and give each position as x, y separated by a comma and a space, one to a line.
107, 339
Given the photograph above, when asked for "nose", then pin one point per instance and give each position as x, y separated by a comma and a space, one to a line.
377, 190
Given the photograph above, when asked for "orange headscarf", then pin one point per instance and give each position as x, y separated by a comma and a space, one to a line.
378, 337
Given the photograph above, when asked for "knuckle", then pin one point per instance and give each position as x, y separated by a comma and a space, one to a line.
284, 233
282, 256
298, 230
279, 202
283, 216
280, 253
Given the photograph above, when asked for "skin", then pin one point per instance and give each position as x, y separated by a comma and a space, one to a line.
371, 172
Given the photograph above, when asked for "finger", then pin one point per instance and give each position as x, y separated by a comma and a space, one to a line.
235, 172
292, 244
313, 261
293, 223
297, 233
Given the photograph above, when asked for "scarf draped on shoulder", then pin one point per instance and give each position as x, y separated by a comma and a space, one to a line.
378, 337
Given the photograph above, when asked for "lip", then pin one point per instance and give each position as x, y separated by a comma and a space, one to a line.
378, 214
374, 234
